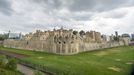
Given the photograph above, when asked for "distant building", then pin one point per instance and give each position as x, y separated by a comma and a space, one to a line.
14, 35
125, 35
116, 33
132, 37
126, 38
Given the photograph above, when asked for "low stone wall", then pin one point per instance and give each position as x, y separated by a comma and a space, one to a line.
1, 42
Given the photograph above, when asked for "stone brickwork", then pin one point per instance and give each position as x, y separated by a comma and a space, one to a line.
63, 41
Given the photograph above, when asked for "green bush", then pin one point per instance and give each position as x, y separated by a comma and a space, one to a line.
9, 72
12, 64
3, 61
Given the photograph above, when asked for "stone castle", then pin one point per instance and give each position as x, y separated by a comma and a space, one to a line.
66, 42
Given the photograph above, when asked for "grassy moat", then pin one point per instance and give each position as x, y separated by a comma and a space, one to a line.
112, 61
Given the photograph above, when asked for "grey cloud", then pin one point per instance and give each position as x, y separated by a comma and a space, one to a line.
115, 14
81, 17
51, 11
5, 7
50, 4
53, 6
64, 18
98, 5
50, 7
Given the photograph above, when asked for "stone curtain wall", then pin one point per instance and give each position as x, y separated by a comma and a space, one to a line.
66, 49
30, 45
43, 46
95, 46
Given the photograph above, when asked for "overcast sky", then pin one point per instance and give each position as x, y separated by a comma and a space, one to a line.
105, 16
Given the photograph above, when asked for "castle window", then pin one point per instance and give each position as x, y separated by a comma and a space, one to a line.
64, 42
27, 42
59, 42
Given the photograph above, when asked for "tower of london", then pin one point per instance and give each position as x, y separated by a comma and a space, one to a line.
63, 41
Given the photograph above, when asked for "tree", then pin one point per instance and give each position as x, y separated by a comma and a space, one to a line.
75, 32
3, 37
82, 32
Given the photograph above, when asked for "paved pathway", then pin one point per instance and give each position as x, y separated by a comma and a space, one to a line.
26, 70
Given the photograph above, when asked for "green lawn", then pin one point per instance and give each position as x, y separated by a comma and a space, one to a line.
112, 61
